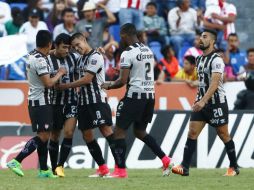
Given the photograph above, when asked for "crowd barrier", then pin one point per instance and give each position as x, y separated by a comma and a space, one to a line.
170, 131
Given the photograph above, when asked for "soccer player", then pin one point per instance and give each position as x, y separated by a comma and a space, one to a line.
93, 109
64, 103
39, 104
137, 106
210, 105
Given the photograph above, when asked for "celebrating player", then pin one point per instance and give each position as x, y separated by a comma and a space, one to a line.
93, 109
137, 106
210, 105
39, 104
64, 103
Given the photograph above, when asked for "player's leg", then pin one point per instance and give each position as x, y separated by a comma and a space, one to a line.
140, 132
195, 128
69, 128
224, 135
58, 121
96, 153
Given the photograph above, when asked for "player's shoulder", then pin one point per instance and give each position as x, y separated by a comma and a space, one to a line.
96, 58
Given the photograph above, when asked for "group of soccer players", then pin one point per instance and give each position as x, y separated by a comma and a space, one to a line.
65, 87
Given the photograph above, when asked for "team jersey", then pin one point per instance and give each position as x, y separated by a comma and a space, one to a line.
92, 63
206, 65
68, 96
37, 65
140, 60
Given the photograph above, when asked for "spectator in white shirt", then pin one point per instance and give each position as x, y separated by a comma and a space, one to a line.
182, 23
31, 28
68, 24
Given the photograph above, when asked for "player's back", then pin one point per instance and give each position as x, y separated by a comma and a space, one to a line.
140, 60
37, 66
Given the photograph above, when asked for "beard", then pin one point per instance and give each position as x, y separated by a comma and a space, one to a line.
203, 47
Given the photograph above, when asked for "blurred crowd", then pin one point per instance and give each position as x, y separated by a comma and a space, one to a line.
171, 28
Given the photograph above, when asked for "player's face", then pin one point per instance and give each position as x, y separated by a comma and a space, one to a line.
62, 49
205, 41
79, 45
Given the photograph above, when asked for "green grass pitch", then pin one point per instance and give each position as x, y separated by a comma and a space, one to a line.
147, 179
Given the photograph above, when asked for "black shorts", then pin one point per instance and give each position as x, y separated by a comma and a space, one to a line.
41, 117
94, 115
63, 112
214, 114
134, 111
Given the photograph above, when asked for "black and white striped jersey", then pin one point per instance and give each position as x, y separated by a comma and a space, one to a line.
140, 60
37, 65
93, 63
68, 96
206, 65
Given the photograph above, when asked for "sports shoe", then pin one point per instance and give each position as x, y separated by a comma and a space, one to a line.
101, 171
232, 171
59, 171
15, 166
167, 166
118, 173
46, 174
180, 170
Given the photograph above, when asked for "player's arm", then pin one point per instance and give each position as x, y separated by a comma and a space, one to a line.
86, 79
50, 82
229, 19
121, 81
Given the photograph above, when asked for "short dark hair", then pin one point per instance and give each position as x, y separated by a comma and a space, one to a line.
129, 29
43, 38
191, 59
67, 10
151, 4
77, 35
165, 50
63, 38
232, 35
250, 50
211, 31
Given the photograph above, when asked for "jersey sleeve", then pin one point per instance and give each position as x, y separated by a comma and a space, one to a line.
125, 62
95, 63
218, 65
231, 10
41, 67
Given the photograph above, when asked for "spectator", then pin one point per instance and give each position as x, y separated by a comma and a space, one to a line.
16, 70
198, 4
31, 27
183, 23
236, 57
164, 6
168, 64
112, 5
80, 6
188, 73
91, 27
68, 24
155, 26
195, 50
131, 12
13, 26
5, 12
55, 16
31, 5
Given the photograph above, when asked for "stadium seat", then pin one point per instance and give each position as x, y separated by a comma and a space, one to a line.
156, 49
22, 6
114, 30
181, 53
2, 72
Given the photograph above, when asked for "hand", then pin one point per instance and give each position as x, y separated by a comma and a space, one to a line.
101, 50
198, 106
86, 34
62, 71
106, 85
100, 5
159, 82
215, 16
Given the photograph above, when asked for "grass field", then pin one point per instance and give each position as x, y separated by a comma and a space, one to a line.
138, 180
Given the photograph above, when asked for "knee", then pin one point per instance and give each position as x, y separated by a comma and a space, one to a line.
106, 131
140, 134
119, 133
88, 136
225, 137
193, 134
55, 135
68, 134
44, 136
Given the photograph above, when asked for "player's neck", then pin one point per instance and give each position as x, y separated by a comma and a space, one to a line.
208, 51
133, 41
43, 51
